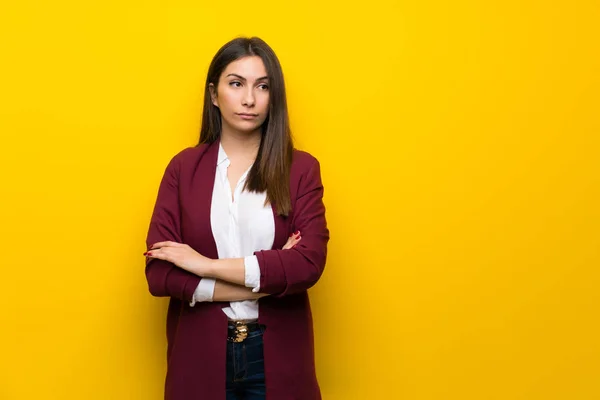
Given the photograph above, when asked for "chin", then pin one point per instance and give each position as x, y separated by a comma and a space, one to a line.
247, 128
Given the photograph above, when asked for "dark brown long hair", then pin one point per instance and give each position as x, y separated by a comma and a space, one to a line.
271, 169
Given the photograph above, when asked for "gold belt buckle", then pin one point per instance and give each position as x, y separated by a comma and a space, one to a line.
241, 332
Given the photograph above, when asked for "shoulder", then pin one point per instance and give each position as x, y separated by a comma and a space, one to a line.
304, 162
187, 157
191, 153
305, 172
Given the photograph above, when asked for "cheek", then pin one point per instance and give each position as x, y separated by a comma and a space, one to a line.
264, 102
226, 99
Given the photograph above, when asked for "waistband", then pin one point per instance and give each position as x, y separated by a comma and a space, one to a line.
237, 331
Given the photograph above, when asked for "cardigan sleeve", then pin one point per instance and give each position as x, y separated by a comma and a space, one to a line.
284, 272
164, 278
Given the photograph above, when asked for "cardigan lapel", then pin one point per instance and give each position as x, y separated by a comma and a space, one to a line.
200, 199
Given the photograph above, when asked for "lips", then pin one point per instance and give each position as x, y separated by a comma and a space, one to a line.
247, 116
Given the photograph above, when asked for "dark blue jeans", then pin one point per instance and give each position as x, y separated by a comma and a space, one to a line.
246, 368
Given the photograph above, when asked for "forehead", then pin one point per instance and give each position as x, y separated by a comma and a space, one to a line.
251, 67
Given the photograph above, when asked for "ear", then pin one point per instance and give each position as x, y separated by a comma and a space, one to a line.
213, 94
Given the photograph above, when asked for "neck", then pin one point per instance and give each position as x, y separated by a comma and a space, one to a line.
240, 144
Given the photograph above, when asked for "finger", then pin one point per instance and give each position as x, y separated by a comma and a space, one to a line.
165, 244
296, 240
162, 254
294, 235
156, 253
292, 241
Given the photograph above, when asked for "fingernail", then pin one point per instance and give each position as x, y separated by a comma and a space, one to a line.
149, 254
291, 234
297, 233
145, 252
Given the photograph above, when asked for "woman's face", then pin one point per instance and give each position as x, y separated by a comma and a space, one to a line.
242, 94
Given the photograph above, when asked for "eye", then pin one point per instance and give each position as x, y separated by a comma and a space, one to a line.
264, 86
235, 84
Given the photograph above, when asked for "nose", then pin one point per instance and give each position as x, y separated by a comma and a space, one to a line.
248, 99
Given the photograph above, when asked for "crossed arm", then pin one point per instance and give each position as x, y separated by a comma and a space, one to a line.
229, 273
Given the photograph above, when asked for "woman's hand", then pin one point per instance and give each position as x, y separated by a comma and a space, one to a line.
181, 255
292, 241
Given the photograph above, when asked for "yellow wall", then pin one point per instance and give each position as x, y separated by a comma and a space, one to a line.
459, 144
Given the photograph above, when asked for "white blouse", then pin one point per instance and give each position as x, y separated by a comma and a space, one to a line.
240, 227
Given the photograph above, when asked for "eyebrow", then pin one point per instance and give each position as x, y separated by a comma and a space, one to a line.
262, 78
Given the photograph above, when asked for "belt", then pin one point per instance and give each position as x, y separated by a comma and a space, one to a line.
237, 331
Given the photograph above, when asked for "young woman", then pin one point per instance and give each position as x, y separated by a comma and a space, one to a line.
237, 236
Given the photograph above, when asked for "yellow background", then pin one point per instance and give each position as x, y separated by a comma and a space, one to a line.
459, 144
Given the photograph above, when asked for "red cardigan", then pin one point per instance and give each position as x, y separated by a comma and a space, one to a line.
196, 353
